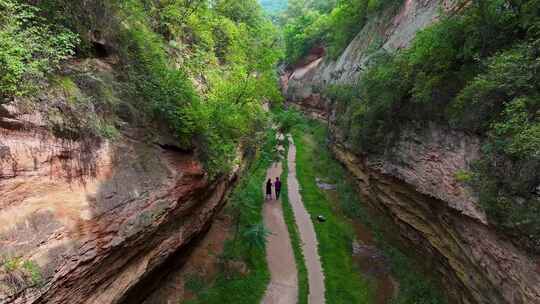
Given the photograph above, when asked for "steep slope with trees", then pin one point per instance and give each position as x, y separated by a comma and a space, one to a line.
433, 107
123, 127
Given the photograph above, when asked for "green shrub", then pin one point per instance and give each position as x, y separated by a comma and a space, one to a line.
332, 24
287, 120
507, 194
245, 11
30, 49
463, 176
517, 134
11, 264
508, 75
28, 267
303, 33
477, 71
195, 283
83, 107
228, 111
33, 270
167, 91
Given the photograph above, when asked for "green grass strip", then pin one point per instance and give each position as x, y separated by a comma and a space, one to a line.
314, 158
303, 284
246, 202
344, 283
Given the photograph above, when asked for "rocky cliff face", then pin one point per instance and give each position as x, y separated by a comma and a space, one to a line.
440, 219
389, 31
93, 221
414, 182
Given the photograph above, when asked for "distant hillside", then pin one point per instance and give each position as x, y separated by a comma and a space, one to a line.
274, 6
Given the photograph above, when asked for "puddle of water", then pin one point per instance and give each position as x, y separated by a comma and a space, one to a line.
369, 259
374, 264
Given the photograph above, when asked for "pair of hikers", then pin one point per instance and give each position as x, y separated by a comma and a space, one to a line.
277, 188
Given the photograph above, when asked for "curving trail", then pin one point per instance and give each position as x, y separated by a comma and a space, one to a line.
283, 287
307, 232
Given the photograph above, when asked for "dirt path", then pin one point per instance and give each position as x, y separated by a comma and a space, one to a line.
283, 287
307, 232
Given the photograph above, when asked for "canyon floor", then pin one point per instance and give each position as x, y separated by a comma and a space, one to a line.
283, 287
320, 275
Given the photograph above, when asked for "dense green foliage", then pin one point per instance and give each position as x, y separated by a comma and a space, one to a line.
332, 24
245, 207
477, 71
343, 280
30, 48
228, 45
286, 120
17, 267
201, 69
315, 160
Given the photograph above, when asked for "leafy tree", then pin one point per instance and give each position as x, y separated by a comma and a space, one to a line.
518, 133
345, 21
510, 74
478, 71
173, 14
304, 33
201, 69
243, 11
30, 49
225, 45
332, 24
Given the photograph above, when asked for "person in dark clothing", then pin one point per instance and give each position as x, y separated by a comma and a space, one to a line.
277, 187
269, 189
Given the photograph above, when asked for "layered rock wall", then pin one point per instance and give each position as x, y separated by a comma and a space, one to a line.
389, 31
444, 225
88, 223
414, 182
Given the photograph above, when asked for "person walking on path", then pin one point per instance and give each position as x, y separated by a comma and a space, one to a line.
269, 189
277, 187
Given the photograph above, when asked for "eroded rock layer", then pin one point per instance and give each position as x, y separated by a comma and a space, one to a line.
474, 262
414, 182
86, 223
